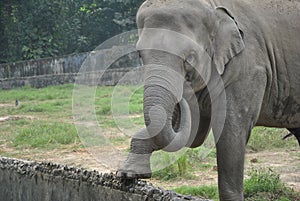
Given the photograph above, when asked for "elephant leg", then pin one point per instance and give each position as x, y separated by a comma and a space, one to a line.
137, 164
242, 111
230, 159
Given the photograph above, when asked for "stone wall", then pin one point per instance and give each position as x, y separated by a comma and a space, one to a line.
40, 67
27, 181
108, 78
62, 70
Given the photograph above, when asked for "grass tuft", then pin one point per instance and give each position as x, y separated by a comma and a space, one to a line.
45, 135
263, 185
207, 192
263, 138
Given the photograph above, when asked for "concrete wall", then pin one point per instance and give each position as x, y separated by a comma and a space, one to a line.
29, 181
62, 70
40, 67
108, 78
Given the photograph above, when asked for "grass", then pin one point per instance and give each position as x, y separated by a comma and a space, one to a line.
55, 103
51, 126
263, 184
208, 192
42, 134
184, 165
263, 138
34, 94
126, 100
46, 118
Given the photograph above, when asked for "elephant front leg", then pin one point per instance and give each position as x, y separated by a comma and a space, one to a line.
230, 159
241, 114
137, 164
243, 106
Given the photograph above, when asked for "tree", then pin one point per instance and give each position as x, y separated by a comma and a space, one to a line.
34, 29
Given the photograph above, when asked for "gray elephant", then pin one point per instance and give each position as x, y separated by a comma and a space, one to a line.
230, 65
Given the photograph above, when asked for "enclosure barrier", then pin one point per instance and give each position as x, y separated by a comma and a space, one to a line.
27, 181
63, 70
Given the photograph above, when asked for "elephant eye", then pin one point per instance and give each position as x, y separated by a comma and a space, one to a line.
191, 59
189, 71
189, 62
188, 67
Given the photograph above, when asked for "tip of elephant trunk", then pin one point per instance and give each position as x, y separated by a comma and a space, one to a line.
180, 136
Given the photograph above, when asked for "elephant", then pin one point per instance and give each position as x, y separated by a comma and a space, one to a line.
225, 65
295, 132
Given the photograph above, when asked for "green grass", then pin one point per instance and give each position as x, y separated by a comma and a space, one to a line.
46, 116
51, 112
263, 138
40, 134
207, 192
126, 100
54, 101
46, 107
183, 167
33, 94
168, 173
266, 185
262, 185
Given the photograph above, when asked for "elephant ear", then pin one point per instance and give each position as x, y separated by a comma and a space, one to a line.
228, 40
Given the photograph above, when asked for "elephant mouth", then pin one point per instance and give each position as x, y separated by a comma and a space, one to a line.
176, 117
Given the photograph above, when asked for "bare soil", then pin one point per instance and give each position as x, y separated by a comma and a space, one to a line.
15, 117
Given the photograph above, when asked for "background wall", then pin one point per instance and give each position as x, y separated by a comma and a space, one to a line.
62, 70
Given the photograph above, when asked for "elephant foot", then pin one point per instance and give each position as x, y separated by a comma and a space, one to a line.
136, 166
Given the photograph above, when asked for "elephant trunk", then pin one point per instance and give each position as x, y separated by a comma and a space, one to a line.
164, 109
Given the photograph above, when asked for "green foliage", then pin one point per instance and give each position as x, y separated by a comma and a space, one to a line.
168, 173
46, 115
170, 166
207, 192
136, 102
41, 134
104, 96
178, 169
183, 166
263, 138
262, 181
266, 185
32, 94
263, 185
34, 29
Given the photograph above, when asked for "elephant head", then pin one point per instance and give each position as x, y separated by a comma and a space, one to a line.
180, 46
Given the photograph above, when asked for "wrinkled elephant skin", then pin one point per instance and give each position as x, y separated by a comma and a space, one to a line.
197, 52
